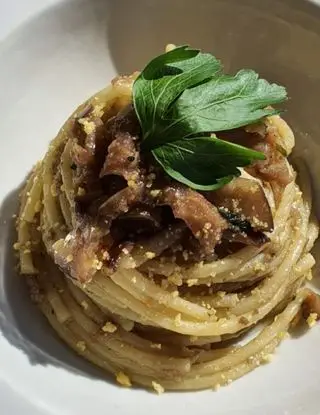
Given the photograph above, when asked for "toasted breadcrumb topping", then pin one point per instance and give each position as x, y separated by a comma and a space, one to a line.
157, 387
192, 281
123, 380
88, 126
98, 110
312, 319
267, 358
81, 345
177, 320
109, 327
84, 304
155, 346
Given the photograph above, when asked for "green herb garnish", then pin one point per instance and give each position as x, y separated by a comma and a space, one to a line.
181, 97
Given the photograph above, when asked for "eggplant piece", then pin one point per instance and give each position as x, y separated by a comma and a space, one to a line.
241, 231
236, 286
121, 202
246, 199
141, 220
254, 238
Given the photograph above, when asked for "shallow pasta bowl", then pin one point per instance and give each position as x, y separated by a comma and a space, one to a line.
55, 61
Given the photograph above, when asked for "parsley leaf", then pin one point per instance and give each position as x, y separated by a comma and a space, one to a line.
204, 163
181, 96
224, 103
163, 80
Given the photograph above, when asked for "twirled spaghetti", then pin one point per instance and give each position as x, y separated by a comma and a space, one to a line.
146, 311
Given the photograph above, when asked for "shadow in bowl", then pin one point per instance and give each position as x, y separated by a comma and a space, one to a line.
20, 321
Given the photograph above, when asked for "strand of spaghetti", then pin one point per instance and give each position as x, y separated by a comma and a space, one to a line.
67, 176
23, 227
89, 307
69, 303
145, 290
230, 301
164, 318
75, 341
114, 342
25, 256
65, 210
117, 306
157, 244
257, 272
32, 197
313, 233
279, 325
50, 198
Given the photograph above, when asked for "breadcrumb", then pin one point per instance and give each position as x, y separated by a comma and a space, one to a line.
155, 346
177, 320
53, 190
98, 110
192, 281
69, 258
109, 327
244, 320
99, 265
150, 255
89, 127
81, 191
38, 206
221, 294
267, 358
131, 183
157, 387
84, 304
283, 335
170, 46
123, 380
105, 255
81, 345
154, 192
309, 276
312, 319
175, 279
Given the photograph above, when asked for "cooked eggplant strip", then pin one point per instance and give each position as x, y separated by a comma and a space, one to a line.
246, 199
241, 231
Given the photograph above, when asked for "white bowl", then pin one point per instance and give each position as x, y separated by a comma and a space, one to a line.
56, 60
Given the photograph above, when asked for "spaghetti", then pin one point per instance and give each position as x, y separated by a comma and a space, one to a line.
153, 311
